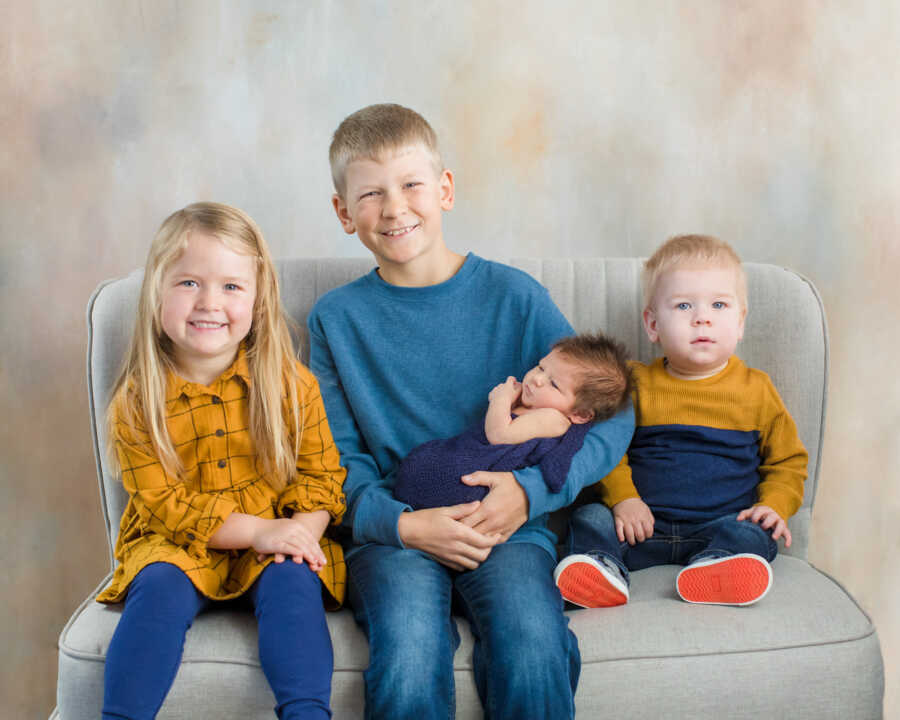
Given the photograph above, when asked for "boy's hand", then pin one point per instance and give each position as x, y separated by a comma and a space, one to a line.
634, 521
506, 392
767, 519
439, 533
503, 510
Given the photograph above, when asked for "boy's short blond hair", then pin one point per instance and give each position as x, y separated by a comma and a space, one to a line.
692, 251
374, 131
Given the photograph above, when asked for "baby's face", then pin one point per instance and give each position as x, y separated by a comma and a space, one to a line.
697, 318
552, 384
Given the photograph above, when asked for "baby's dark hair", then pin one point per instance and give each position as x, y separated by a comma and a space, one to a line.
604, 386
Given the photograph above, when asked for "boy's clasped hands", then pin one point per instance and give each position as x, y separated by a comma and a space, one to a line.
461, 536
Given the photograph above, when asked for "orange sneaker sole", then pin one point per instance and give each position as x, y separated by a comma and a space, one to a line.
583, 584
735, 580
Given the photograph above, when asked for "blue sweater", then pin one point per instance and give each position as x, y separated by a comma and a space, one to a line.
399, 366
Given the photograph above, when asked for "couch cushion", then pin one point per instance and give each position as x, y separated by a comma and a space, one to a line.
806, 614
804, 607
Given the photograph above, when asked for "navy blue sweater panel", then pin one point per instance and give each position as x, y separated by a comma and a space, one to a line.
672, 466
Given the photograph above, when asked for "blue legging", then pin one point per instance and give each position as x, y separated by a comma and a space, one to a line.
294, 645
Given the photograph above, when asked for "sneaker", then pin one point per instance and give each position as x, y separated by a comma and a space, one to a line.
732, 580
590, 581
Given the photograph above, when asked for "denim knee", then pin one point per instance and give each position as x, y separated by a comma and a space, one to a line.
595, 517
730, 536
592, 529
401, 599
526, 659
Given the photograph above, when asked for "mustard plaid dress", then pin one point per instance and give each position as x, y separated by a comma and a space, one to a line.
171, 519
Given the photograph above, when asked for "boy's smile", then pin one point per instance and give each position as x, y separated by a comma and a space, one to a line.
394, 204
697, 318
399, 232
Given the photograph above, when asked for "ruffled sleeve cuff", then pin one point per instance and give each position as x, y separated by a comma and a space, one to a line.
195, 539
309, 497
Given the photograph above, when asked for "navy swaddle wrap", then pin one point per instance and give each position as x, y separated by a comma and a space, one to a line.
430, 475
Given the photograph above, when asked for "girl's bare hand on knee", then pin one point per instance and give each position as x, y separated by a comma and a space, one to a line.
284, 537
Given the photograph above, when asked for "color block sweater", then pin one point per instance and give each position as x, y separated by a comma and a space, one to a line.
707, 448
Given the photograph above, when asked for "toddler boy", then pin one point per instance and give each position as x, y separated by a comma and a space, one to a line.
715, 467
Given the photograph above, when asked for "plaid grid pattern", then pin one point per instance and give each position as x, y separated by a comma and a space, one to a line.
170, 519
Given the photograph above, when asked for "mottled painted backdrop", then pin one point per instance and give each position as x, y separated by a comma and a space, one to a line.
575, 128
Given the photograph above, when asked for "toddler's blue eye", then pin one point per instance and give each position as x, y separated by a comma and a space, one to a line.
188, 283
683, 306
718, 305
231, 286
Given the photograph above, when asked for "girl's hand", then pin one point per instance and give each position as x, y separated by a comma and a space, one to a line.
767, 519
285, 537
315, 523
506, 392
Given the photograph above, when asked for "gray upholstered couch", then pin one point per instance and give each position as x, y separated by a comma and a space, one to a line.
806, 651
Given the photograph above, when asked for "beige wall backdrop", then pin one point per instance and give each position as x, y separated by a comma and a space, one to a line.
575, 128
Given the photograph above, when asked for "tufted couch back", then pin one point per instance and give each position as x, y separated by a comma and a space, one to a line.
785, 336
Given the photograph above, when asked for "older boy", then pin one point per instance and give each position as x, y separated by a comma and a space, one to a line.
404, 355
715, 467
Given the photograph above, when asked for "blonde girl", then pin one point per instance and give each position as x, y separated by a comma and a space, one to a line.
224, 448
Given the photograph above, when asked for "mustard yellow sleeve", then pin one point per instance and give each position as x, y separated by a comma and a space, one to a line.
164, 504
783, 459
618, 485
318, 484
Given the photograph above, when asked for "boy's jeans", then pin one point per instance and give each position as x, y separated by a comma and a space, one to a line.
592, 530
526, 660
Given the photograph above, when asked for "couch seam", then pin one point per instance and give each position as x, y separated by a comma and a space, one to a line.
93, 657
736, 652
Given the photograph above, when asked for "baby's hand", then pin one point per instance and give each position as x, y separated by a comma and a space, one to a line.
634, 520
767, 519
508, 391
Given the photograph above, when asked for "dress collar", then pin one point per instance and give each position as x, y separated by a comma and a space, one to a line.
176, 386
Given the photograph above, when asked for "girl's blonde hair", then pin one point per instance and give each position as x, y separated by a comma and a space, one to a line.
139, 395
